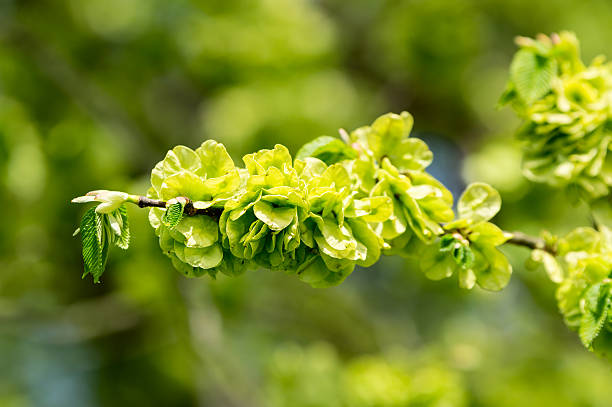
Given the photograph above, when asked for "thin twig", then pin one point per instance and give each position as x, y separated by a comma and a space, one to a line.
517, 239
531, 242
144, 202
190, 210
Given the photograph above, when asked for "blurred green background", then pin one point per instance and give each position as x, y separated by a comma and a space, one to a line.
94, 92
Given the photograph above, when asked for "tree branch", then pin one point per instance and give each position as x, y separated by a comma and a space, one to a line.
144, 202
517, 239
531, 242
190, 210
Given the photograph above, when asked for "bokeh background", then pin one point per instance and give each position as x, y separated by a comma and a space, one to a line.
92, 95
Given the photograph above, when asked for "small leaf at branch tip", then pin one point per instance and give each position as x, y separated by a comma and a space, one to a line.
109, 200
174, 213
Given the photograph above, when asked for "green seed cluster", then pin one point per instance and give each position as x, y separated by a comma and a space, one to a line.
585, 294
336, 205
566, 108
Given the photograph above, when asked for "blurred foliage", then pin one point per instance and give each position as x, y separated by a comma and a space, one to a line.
93, 93
565, 107
316, 377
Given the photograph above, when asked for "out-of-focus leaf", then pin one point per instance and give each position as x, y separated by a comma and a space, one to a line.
597, 300
532, 74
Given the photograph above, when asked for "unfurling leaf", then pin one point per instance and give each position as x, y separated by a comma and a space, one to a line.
596, 307
174, 214
532, 74
95, 244
123, 240
109, 200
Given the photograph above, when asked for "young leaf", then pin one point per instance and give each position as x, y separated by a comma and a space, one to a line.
596, 308
95, 244
508, 96
468, 258
532, 75
459, 254
109, 200
123, 241
447, 243
173, 215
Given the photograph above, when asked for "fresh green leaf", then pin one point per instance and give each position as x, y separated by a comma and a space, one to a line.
464, 256
173, 214
448, 243
596, 306
532, 74
123, 240
95, 244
